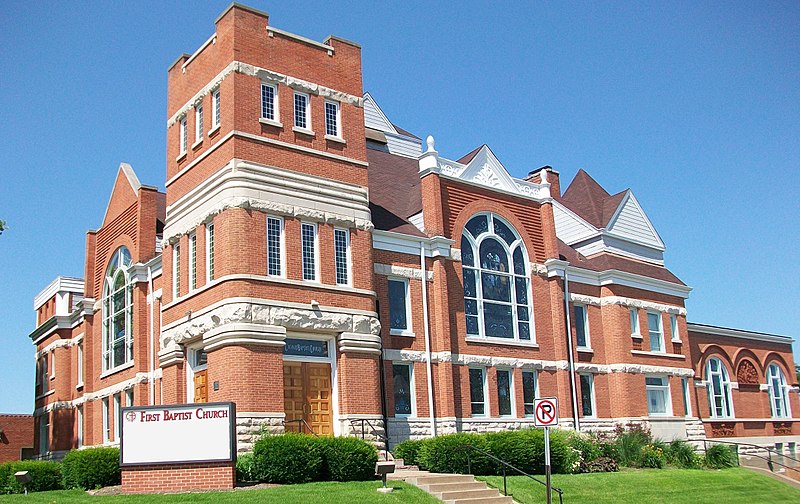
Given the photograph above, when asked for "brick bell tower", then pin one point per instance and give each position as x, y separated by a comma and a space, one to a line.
268, 287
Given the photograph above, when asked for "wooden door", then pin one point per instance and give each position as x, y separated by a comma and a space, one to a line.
201, 386
293, 395
307, 395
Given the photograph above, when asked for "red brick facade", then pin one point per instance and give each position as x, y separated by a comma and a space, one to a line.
16, 434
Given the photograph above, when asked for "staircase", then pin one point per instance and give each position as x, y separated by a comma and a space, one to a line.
452, 488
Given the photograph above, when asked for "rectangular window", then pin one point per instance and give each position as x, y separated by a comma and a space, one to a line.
198, 123
192, 262
274, 246
44, 433
80, 363
183, 135
655, 331
477, 391
80, 426
403, 389
45, 370
687, 402
635, 322
399, 306
658, 403
215, 108
302, 112
52, 364
587, 395
176, 271
269, 99
332, 119
209, 252
106, 425
528, 391
341, 245
309, 245
673, 328
504, 394
129, 397
117, 416
581, 326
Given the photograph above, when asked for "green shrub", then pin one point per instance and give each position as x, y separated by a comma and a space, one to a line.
629, 443
287, 458
587, 445
652, 456
721, 456
600, 464
244, 467
348, 459
408, 451
446, 454
91, 468
681, 454
45, 476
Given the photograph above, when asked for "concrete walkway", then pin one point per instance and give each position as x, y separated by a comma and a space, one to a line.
787, 476
452, 488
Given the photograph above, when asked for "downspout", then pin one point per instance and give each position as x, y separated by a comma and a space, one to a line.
429, 365
151, 297
570, 359
384, 409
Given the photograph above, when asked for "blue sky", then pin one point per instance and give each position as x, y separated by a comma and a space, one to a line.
693, 105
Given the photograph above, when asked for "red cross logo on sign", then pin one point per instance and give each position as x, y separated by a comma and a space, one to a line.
546, 412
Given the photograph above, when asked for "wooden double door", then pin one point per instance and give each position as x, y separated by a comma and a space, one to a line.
307, 396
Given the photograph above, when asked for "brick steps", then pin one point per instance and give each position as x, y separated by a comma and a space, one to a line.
452, 488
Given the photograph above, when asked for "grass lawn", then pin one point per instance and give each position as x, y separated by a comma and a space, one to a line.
349, 493
650, 486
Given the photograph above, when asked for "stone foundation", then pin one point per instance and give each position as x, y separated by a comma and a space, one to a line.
374, 431
250, 426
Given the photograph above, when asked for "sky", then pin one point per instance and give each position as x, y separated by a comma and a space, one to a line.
693, 105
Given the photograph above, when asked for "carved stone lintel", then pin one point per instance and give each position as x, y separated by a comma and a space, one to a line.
244, 334
358, 342
746, 374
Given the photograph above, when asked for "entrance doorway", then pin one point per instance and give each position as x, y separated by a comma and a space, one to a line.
308, 397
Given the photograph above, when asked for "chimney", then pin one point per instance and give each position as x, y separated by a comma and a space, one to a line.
535, 176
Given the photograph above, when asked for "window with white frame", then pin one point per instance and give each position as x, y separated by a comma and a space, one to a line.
302, 111
778, 396
129, 397
192, 262
634, 314
269, 101
210, 251
198, 122
718, 386
658, 398
673, 328
80, 364
309, 249
581, 326
687, 401
497, 296
117, 415
341, 246
176, 270
53, 364
275, 247
587, 395
106, 424
332, 119
399, 306
79, 421
183, 135
215, 108
42, 376
44, 433
528, 391
403, 388
118, 311
505, 402
477, 391
655, 331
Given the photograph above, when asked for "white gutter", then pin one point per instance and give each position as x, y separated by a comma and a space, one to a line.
151, 302
428, 357
570, 359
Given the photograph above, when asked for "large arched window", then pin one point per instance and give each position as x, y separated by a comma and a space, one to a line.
118, 311
778, 398
497, 296
719, 389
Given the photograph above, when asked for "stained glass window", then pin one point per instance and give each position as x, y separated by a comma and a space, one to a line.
118, 311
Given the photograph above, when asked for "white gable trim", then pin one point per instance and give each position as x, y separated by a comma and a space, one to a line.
587, 230
631, 199
385, 125
487, 170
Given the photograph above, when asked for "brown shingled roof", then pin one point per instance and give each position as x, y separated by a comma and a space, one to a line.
394, 191
469, 156
605, 261
590, 201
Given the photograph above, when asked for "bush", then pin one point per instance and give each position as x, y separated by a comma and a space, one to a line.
91, 468
681, 454
348, 459
652, 456
600, 464
408, 451
587, 445
446, 454
45, 476
287, 458
721, 456
244, 467
629, 443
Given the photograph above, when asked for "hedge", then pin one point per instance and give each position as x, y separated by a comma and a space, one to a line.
91, 468
408, 451
45, 476
348, 459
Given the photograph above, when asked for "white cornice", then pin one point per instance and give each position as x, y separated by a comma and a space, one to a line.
435, 246
615, 277
629, 302
738, 333
60, 284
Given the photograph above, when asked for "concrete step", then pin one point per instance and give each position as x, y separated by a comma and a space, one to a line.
482, 500
452, 487
407, 474
431, 479
469, 494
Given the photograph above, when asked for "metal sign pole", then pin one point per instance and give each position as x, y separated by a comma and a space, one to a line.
547, 464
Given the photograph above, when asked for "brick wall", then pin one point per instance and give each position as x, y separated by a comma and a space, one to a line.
17, 434
178, 478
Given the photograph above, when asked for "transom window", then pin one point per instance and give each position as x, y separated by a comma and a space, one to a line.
778, 399
719, 389
497, 297
118, 311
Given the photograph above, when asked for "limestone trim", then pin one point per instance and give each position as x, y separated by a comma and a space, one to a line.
658, 354
266, 75
243, 334
359, 343
61, 343
434, 246
170, 355
760, 420
628, 302
401, 271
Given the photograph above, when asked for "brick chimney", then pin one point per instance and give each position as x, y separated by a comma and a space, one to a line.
535, 176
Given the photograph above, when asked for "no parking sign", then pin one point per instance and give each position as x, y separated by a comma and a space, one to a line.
546, 412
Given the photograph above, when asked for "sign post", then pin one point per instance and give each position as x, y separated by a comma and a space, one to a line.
546, 415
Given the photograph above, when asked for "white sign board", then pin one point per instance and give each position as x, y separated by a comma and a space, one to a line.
545, 411
177, 434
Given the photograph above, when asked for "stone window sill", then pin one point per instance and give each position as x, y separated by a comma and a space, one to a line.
42, 396
270, 122
658, 354
501, 341
213, 130
335, 139
197, 144
181, 157
402, 332
584, 350
116, 370
304, 131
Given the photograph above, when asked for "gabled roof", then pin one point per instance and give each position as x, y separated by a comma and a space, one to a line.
469, 156
589, 200
394, 191
125, 192
486, 169
374, 117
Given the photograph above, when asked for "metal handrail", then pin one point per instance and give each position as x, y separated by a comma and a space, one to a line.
768, 458
374, 432
505, 464
301, 422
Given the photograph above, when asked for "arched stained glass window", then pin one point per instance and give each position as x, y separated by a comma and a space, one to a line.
778, 398
719, 389
497, 300
118, 311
